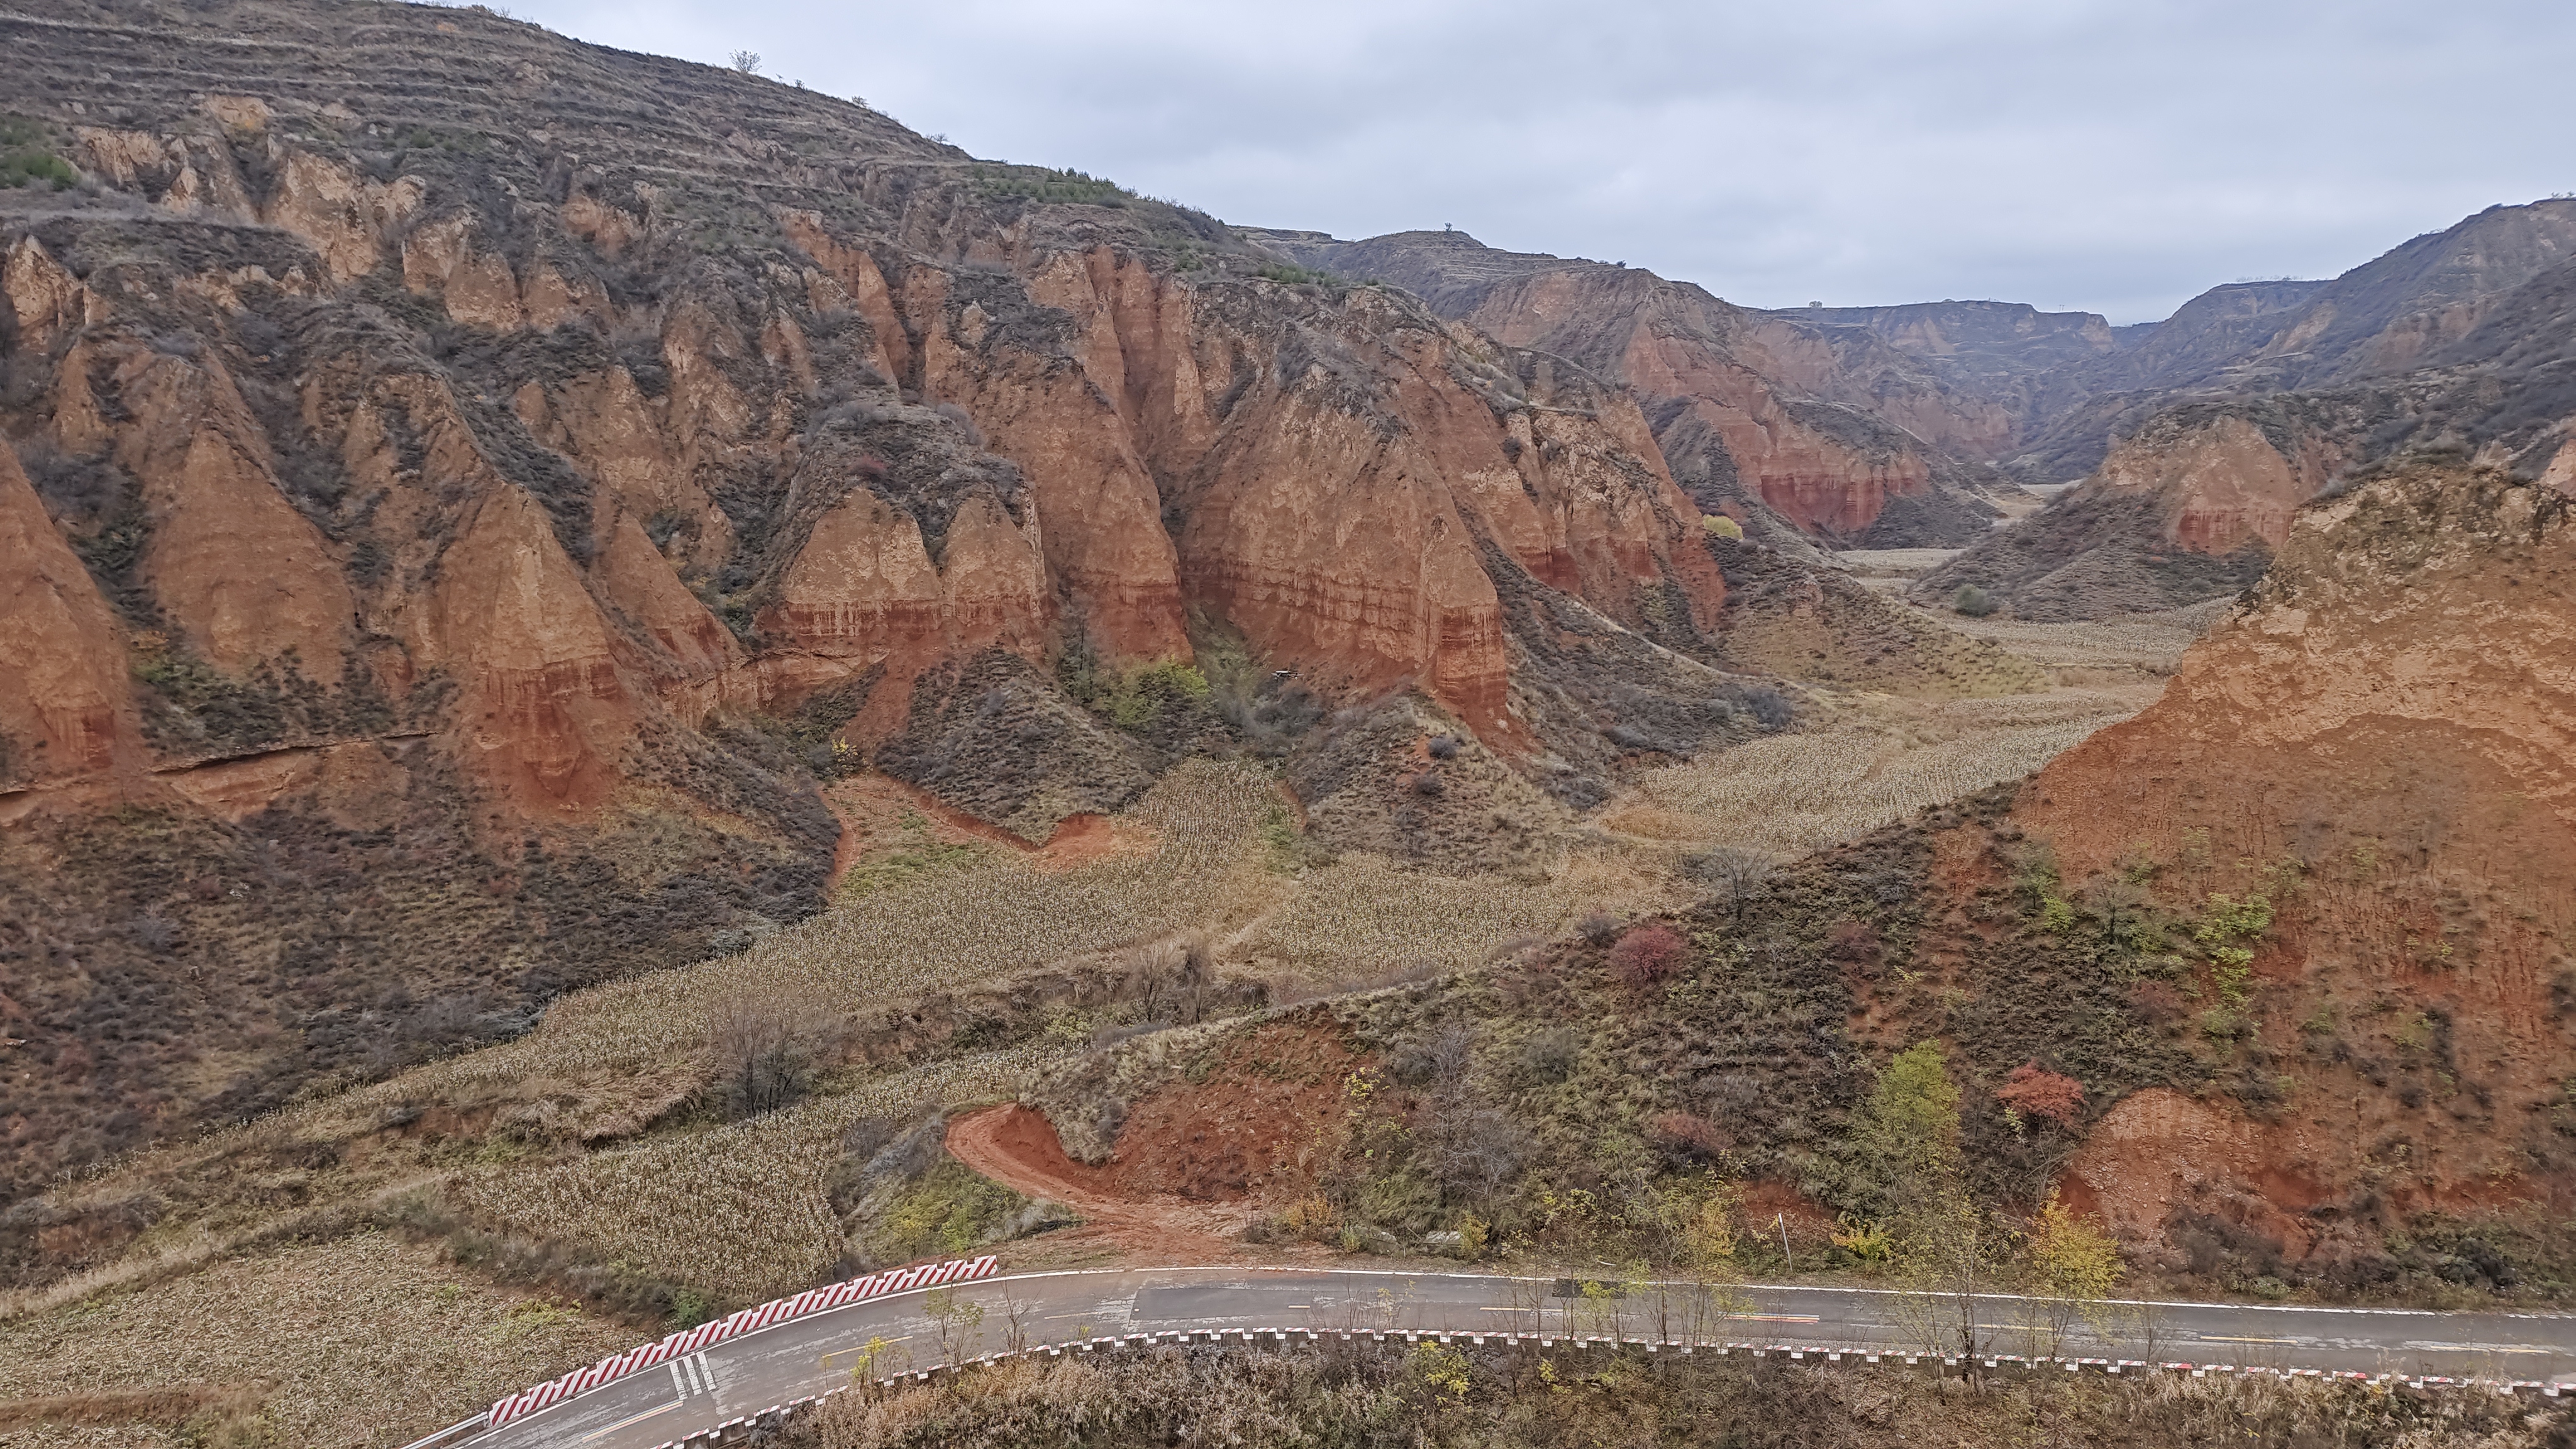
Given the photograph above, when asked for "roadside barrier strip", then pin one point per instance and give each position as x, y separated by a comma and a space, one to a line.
688, 1341
777, 1414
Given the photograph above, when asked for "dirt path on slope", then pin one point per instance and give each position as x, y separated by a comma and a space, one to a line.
1017, 1147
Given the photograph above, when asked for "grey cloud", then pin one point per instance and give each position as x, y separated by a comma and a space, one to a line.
2071, 153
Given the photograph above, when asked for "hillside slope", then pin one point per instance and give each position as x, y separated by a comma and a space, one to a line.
2201, 440
2290, 945
1828, 430
462, 518
2380, 741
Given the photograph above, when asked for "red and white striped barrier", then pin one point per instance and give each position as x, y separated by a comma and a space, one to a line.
749, 1320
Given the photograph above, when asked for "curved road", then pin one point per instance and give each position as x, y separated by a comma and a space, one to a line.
808, 1356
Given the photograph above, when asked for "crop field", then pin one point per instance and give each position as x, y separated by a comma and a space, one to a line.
606, 1059
368, 1341
1362, 918
736, 1209
2144, 642
1792, 794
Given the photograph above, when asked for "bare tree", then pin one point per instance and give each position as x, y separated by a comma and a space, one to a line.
761, 1052
1015, 1324
1474, 1147
746, 61
1735, 874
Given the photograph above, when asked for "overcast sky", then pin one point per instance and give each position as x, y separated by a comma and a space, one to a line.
2113, 157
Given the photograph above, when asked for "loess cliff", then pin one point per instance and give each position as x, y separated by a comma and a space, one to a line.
1826, 432
2377, 741
450, 527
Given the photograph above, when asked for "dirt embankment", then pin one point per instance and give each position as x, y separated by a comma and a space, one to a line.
1016, 1147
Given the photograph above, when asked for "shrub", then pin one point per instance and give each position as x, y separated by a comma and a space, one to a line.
2032, 1091
2158, 1002
1718, 525
1647, 955
1548, 1055
1599, 928
1043, 183
24, 161
1444, 747
1292, 275
1313, 1218
1972, 601
1852, 941
1687, 1133
1770, 707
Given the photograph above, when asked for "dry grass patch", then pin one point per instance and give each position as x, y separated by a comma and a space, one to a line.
366, 1342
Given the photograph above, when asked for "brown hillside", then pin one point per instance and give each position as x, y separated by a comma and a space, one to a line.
1826, 429
461, 518
2382, 734
2292, 942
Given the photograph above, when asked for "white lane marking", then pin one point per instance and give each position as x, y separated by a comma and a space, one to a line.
2422, 1345
677, 1382
636, 1419
1285, 1270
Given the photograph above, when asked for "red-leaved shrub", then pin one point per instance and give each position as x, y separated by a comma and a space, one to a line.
2034, 1092
1852, 941
1688, 1133
1647, 955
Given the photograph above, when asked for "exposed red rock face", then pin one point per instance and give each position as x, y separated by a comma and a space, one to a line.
1180, 443
2380, 741
2220, 485
64, 700
2188, 507
1822, 427
501, 481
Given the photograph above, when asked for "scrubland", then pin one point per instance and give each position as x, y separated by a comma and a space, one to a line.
1439, 1396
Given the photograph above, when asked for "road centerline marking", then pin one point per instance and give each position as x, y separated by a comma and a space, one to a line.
637, 1419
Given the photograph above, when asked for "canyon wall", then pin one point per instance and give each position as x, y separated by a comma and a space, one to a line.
451, 529
1825, 432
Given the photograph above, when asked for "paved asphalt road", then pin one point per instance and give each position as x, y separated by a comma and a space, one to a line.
811, 1355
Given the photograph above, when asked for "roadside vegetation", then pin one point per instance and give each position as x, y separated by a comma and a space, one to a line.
1444, 1397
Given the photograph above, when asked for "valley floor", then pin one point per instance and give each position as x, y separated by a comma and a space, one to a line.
382, 1260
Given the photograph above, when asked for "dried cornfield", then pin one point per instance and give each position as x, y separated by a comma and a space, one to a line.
1362, 917
737, 1210
1792, 794
2149, 642
368, 1341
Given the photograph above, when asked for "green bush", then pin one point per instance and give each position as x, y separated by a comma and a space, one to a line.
1041, 183
1138, 699
1972, 601
25, 160
1292, 275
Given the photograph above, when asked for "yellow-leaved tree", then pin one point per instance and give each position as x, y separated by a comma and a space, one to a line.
2074, 1265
